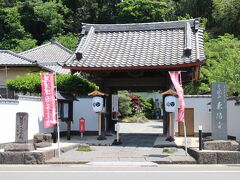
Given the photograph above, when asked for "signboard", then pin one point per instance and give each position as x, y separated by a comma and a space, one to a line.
219, 111
21, 128
65, 110
48, 99
114, 107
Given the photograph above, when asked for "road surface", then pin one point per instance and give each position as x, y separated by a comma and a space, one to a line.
119, 171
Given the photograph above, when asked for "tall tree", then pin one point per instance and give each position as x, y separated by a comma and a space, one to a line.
222, 65
226, 13
130, 11
90, 11
12, 33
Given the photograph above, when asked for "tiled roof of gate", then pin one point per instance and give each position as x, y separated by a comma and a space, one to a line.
139, 45
9, 58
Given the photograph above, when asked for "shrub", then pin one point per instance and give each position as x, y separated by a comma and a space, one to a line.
124, 104
139, 118
65, 83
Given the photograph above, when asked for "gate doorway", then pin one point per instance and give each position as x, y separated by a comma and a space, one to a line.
189, 120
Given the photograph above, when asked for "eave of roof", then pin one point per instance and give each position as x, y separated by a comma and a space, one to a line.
199, 63
20, 60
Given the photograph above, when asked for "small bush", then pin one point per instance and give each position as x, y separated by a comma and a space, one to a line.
124, 104
84, 148
65, 83
140, 118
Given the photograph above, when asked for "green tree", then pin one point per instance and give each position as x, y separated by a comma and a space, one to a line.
222, 65
130, 11
194, 8
226, 13
124, 104
89, 11
12, 34
69, 40
51, 15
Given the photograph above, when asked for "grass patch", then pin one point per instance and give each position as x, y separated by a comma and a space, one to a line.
169, 150
84, 148
135, 119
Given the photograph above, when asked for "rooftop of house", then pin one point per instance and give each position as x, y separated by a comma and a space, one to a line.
9, 58
49, 56
123, 46
48, 53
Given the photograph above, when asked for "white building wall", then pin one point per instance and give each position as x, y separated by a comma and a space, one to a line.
8, 119
201, 114
203, 117
233, 115
83, 108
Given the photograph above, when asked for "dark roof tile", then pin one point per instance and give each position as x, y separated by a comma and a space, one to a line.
9, 58
136, 45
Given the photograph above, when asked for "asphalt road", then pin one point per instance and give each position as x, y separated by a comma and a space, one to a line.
125, 172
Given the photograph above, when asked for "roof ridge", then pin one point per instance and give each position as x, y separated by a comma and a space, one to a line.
35, 48
18, 55
62, 46
47, 44
140, 26
158, 22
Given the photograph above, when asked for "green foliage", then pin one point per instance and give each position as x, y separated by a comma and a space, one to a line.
139, 118
84, 148
148, 107
227, 14
124, 104
194, 8
134, 105
10, 24
65, 83
91, 11
75, 84
69, 40
130, 11
51, 15
222, 65
29, 83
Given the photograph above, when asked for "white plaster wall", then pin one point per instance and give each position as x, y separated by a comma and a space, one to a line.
8, 119
233, 115
203, 117
83, 108
201, 114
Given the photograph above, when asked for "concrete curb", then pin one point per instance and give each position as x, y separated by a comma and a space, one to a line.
215, 157
32, 157
67, 162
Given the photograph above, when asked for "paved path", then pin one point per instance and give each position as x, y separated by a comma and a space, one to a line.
138, 140
150, 127
123, 154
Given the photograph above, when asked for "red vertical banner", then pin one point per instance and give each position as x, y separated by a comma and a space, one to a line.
176, 82
48, 99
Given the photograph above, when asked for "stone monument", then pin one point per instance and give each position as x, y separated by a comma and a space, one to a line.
21, 135
219, 111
